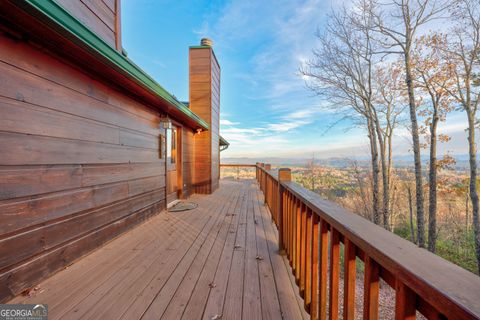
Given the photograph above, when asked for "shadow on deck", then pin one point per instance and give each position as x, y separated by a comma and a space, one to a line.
218, 261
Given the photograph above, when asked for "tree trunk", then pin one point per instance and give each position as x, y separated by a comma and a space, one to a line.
375, 170
432, 188
416, 152
385, 182
467, 200
473, 182
410, 207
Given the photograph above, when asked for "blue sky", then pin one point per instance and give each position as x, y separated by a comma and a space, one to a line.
265, 108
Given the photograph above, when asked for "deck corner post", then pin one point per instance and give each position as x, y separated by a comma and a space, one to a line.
284, 175
260, 170
266, 190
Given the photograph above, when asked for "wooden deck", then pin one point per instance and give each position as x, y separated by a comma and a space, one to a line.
219, 261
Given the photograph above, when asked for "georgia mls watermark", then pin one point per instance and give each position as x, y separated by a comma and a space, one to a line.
23, 312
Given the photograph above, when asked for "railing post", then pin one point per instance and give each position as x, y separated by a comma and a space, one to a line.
266, 192
284, 175
256, 171
262, 175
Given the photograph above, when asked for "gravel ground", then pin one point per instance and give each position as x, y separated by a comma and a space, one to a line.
386, 300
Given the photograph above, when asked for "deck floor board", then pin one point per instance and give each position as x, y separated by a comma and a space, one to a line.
218, 261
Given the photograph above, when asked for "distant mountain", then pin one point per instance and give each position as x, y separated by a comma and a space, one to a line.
339, 162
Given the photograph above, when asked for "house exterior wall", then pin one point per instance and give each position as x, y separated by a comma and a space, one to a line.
81, 159
79, 164
99, 15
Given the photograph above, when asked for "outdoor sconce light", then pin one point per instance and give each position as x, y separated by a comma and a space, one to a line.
199, 130
165, 123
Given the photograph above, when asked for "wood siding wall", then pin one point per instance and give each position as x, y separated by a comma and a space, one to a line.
79, 164
205, 101
215, 122
99, 15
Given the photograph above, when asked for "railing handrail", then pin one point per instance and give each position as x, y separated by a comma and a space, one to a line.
241, 165
440, 286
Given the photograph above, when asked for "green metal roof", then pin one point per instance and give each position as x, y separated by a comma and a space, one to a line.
65, 20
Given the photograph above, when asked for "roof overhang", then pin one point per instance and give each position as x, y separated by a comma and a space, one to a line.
50, 25
223, 144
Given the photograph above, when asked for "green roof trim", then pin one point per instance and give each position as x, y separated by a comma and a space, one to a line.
223, 142
200, 47
64, 19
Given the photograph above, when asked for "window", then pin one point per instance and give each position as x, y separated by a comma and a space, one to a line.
172, 146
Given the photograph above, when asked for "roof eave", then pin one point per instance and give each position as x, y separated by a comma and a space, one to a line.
68, 26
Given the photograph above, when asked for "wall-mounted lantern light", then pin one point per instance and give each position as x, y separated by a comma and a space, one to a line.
165, 123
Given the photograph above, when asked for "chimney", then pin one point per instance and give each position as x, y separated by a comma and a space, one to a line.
204, 91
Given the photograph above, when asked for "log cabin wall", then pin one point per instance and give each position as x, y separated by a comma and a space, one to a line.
101, 16
205, 101
79, 164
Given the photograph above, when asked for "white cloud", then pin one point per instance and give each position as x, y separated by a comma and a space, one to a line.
225, 122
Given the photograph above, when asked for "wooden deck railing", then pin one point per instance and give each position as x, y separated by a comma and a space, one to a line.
311, 231
249, 167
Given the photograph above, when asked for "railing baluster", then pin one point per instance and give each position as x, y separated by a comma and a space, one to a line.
323, 269
289, 225
285, 220
277, 198
294, 236
303, 249
298, 241
349, 280
370, 289
290, 228
283, 217
315, 249
334, 272
308, 262
404, 302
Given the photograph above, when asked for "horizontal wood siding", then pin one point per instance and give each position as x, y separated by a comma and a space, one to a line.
98, 15
79, 165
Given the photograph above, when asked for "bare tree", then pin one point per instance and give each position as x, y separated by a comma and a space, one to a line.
433, 78
342, 72
397, 23
387, 114
462, 54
